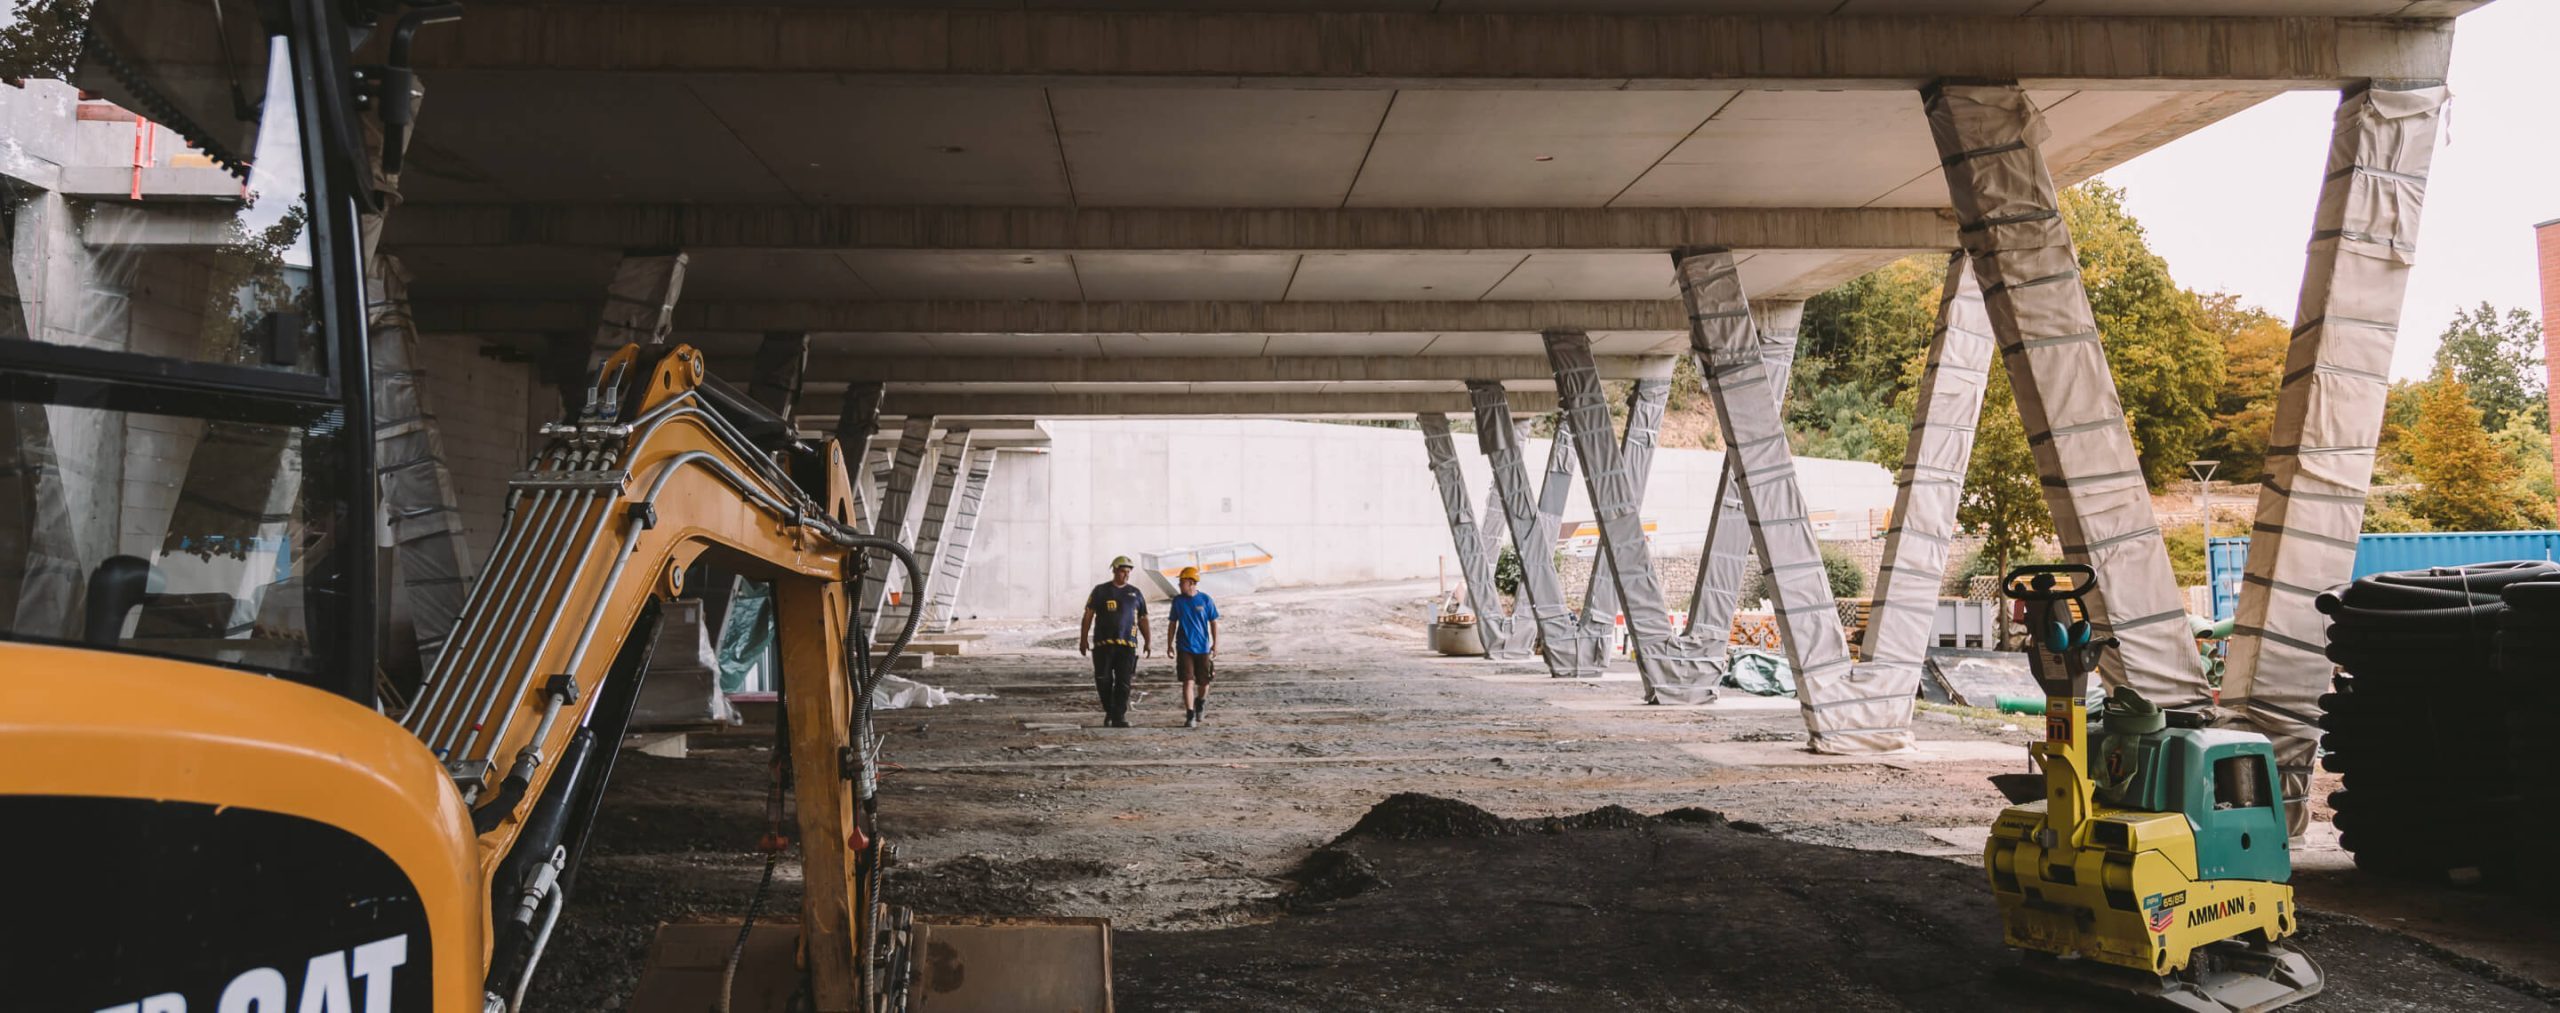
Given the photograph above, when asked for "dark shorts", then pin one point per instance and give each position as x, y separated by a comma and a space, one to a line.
1191, 667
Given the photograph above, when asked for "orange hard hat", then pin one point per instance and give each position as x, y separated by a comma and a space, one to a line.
1190, 573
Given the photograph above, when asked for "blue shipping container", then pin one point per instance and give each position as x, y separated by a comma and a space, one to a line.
2227, 558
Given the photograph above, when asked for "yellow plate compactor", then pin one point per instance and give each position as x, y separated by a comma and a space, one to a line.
2154, 865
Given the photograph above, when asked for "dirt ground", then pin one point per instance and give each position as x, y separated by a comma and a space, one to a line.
1811, 885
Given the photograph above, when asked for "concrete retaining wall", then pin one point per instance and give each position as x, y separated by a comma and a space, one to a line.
1333, 503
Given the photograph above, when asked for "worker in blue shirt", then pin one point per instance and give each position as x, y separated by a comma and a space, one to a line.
1194, 619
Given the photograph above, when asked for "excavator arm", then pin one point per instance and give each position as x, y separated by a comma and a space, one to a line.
526, 703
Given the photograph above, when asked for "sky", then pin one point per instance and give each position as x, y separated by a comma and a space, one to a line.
2230, 206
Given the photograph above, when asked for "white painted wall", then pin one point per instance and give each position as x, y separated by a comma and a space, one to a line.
1332, 503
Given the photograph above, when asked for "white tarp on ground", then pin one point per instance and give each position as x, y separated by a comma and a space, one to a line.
897, 692
1729, 346
2010, 222
2328, 415
1903, 624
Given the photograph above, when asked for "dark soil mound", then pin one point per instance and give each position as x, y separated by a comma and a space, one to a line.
1413, 816
1331, 874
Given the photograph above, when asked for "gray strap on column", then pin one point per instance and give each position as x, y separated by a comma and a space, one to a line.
894, 517
1728, 343
1493, 628
1674, 669
1930, 486
942, 594
1532, 530
950, 474
437, 566
2329, 411
2009, 221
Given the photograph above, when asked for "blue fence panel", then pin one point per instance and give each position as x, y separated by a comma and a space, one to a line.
2227, 558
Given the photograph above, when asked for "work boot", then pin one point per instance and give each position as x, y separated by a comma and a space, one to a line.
1191, 718
1199, 711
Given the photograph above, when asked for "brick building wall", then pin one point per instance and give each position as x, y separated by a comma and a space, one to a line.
2547, 245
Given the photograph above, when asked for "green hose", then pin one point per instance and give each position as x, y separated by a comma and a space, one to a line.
2019, 704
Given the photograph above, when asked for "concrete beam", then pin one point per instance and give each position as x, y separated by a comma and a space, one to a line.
1227, 405
1167, 230
1383, 51
1205, 369
836, 319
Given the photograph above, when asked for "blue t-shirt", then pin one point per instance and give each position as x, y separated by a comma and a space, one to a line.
1116, 609
1192, 613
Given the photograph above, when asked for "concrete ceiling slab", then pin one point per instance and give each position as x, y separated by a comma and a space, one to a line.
771, 274
1347, 344
1131, 346
511, 272
840, 140
2223, 8
1523, 148
1784, 148
826, 343
1775, 274
921, 275
1149, 147
1185, 277
1014, 344
1590, 276
585, 137
1330, 277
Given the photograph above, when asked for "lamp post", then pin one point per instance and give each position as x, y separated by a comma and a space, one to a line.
2203, 471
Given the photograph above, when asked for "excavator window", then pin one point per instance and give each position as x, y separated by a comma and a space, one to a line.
183, 466
2240, 782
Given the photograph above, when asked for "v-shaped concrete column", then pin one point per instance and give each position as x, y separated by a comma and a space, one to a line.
913, 446
1493, 628
942, 594
2328, 415
1725, 564
856, 423
1755, 440
1927, 492
1519, 631
437, 567
1533, 524
1675, 669
2011, 224
950, 475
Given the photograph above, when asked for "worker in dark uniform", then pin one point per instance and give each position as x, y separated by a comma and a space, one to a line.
1115, 609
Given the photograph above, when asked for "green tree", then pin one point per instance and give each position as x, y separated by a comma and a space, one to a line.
2002, 498
2465, 484
2254, 343
2499, 358
2167, 364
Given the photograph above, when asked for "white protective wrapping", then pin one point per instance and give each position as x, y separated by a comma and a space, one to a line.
1675, 669
942, 595
1729, 347
2010, 223
950, 475
1726, 563
1520, 634
2328, 415
781, 363
640, 303
898, 493
1493, 628
1902, 625
1532, 524
436, 565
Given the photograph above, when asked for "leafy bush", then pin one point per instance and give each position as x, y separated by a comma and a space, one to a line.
1506, 571
1846, 578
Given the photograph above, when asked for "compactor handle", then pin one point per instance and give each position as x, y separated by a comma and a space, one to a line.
2038, 583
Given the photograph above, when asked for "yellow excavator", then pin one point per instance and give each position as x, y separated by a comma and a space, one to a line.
208, 803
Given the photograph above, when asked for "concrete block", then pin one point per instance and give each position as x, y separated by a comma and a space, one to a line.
667, 744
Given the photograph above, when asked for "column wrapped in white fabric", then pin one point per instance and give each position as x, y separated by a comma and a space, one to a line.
1674, 669
893, 521
942, 594
950, 476
1532, 524
1493, 628
1726, 562
1738, 379
2328, 416
2011, 224
1930, 486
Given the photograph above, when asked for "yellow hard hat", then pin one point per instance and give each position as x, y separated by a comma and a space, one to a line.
1190, 573
1121, 561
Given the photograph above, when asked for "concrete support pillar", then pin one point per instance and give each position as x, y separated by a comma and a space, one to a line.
432, 552
1725, 565
856, 423
2011, 224
2328, 416
782, 361
1520, 634
1729, 346
894, 513
950, 475
1493, 627
1931, 483
1675, 669
1533, 528
640, 304
942, 594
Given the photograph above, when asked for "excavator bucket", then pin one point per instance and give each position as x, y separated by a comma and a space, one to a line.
969, 964
2227, 977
